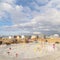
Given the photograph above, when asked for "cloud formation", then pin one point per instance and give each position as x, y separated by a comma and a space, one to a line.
38, 16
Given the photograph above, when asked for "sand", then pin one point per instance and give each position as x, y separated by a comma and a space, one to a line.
32, 51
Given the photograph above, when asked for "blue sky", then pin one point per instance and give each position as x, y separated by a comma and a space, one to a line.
29, 16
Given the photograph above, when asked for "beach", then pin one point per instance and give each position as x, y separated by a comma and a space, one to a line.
30, 51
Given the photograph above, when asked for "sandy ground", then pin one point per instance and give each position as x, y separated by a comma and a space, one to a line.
33, 51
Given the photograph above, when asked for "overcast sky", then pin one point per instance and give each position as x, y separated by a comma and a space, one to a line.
29, 16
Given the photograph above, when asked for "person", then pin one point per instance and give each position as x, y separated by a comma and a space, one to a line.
0, 42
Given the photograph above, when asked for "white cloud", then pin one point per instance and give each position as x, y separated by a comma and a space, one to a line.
5, 6
51, 15
24, 17
19, 8
8, 1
